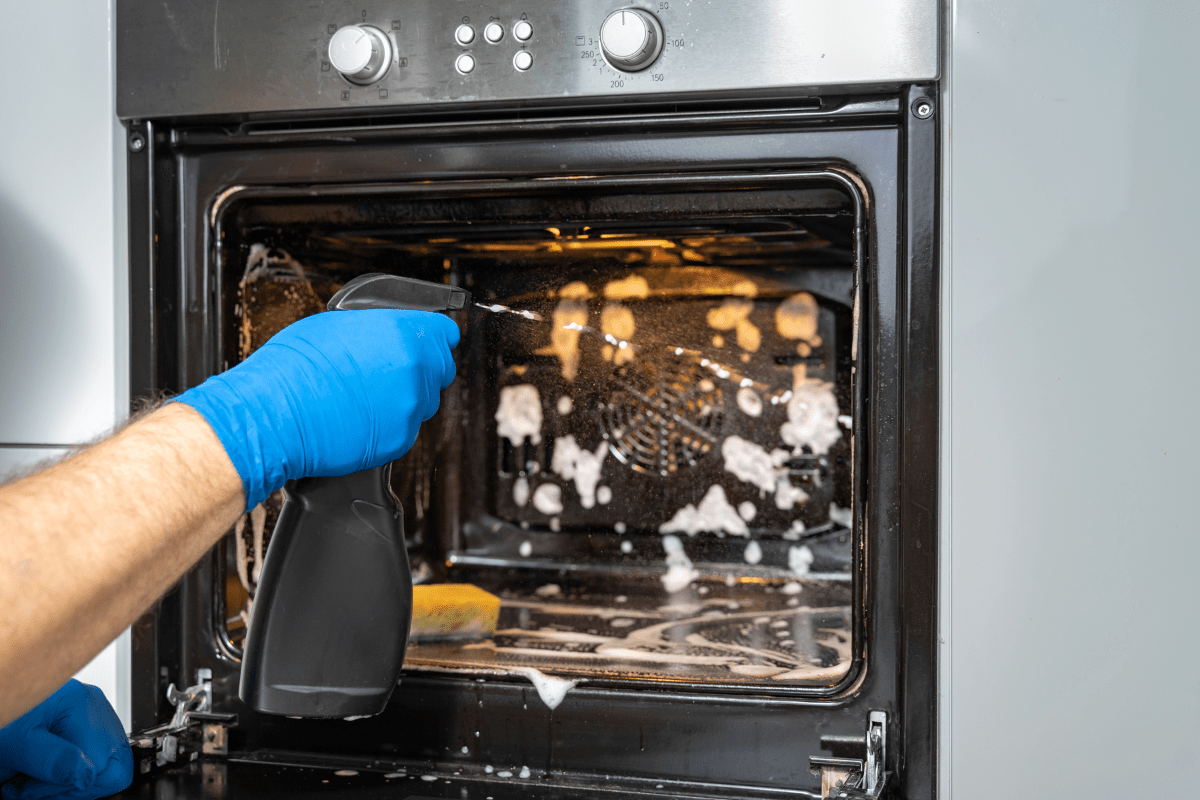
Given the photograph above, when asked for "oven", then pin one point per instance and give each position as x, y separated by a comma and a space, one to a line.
692, 444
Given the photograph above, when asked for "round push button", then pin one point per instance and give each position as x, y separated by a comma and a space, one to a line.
494, 32
523, 31
465, 34
465, 63
523, 60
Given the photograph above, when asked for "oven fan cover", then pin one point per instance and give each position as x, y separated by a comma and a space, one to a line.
661, 417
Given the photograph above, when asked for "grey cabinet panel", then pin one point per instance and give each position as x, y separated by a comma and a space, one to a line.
17, 461
1074, 379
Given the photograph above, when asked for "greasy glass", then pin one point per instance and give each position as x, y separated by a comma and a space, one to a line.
654, 466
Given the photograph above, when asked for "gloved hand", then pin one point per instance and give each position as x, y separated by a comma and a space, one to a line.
70, 746
332, 394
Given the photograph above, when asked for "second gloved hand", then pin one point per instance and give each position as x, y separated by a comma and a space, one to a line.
332, 394
71, 746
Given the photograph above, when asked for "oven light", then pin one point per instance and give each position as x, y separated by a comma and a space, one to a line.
605, 244
508, 248
630, 237
580, 242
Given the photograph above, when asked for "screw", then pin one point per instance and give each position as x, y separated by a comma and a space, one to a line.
923, 109
136, 142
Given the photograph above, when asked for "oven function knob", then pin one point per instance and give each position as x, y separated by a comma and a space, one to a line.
631, 39
361, 53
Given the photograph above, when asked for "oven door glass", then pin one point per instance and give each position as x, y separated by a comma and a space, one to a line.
650, 450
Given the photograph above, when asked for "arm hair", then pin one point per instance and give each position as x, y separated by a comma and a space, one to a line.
87, 544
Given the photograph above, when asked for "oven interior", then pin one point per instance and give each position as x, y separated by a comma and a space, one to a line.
655, 466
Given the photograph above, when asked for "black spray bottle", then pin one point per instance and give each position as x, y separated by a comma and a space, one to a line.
331, 615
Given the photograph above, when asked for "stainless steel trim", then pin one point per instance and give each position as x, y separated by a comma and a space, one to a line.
178, 58
37, 446
280, 132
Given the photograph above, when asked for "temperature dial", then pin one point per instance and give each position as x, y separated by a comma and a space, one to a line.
631, 39
361, 53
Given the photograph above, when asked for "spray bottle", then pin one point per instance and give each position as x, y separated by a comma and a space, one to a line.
331, 616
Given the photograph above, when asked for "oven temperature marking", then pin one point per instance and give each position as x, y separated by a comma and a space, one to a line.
618, 79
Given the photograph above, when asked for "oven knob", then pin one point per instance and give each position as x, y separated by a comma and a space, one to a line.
631, 39
361, 53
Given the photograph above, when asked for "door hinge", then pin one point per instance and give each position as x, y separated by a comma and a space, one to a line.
853, 778
193, 731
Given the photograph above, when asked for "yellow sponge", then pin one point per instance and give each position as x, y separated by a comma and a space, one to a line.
453, 611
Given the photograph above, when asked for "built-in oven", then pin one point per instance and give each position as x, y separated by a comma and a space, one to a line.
692, 444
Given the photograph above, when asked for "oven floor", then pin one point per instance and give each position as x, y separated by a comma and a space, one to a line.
755, 632
240, 780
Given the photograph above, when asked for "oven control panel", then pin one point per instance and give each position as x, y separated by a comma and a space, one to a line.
178, 58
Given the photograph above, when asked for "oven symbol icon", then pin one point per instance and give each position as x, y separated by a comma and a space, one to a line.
580, 41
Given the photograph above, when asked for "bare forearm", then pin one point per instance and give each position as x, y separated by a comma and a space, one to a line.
87, 545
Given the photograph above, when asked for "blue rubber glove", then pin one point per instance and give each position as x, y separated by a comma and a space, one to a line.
332, 394
70, 746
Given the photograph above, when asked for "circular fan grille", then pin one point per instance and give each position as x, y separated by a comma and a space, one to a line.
661, 417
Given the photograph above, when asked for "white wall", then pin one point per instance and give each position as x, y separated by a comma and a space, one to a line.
63, 329
1074, 377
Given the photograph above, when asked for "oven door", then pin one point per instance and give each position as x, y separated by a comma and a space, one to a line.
716, 268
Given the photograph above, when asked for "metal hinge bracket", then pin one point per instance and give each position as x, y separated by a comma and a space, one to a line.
855, 778
192, 732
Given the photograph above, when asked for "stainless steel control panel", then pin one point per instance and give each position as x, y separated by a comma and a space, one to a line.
201, 57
